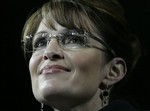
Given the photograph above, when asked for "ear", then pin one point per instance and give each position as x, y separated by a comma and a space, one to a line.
116, 70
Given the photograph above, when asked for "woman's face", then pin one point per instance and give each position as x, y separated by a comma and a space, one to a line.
59, 74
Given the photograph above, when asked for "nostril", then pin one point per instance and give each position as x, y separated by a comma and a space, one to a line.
56, 57
45, 57
53, 56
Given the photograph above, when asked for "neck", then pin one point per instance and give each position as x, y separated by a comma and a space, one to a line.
93, 104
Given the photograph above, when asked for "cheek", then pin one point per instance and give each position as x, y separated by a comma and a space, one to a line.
88, 67
87, 74
34, 62
89, 60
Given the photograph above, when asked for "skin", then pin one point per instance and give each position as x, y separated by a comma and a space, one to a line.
76, 89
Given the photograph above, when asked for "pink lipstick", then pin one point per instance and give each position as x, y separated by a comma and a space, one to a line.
53, 69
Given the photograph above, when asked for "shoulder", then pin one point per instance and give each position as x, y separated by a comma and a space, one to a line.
119, 105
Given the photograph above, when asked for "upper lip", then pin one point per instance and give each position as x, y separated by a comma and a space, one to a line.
54, 66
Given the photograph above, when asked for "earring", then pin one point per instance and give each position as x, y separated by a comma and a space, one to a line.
42, 107
104, 94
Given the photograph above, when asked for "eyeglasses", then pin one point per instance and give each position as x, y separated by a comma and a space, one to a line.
70, 39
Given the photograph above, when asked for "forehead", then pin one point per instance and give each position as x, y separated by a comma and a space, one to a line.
44, 27
58, 28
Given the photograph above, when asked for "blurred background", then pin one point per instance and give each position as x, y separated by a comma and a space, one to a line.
16, 93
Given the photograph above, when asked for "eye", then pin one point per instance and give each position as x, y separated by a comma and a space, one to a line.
74, 40
39, 43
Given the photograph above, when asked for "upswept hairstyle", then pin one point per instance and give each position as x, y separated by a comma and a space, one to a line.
103, 17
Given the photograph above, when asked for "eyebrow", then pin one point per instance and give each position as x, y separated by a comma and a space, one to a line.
40, 32
35, 36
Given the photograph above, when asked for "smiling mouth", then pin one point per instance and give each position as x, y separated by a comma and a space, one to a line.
54, 69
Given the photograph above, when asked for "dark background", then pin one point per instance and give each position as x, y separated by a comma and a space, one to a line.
16, 93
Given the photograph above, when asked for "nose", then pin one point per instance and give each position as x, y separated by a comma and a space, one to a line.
53, 51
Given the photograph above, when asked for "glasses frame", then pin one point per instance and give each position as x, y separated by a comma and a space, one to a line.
108, 49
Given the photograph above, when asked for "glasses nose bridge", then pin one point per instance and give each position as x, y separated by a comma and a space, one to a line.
50, 37
55, 42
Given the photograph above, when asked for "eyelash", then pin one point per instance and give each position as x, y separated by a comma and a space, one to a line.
38, 41
68, 40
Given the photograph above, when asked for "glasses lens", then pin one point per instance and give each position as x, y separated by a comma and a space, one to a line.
40, 41
70, 39
73, 39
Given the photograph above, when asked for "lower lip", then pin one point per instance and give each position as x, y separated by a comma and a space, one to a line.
52, 71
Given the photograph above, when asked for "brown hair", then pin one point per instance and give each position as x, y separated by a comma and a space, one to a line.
104, 17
